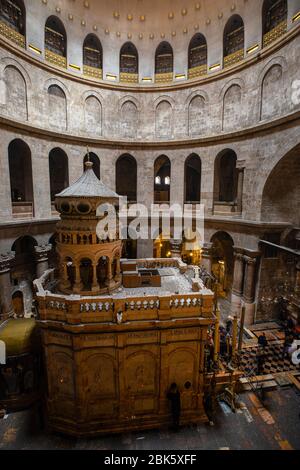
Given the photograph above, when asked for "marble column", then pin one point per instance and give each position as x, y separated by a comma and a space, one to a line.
206, 257
249, 289
41, 254
240, 184
237, 286
175, 248
6, 306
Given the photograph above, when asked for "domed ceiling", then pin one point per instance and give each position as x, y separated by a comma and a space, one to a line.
145, 19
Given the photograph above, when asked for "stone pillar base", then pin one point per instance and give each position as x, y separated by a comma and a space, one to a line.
249, 314
236, 304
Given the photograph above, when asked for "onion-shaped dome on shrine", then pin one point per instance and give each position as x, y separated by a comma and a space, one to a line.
89, 264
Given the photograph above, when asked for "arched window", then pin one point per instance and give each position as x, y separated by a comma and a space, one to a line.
197, 56
92, 57
20, 171
58, 171
233, 42
164, 63
13, 15
96, 163
192, 179
55, 42
274, 17
226, 177
25, 261
126, 177
162, 179
129, 63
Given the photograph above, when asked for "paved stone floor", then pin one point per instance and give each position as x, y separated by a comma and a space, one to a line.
273, 427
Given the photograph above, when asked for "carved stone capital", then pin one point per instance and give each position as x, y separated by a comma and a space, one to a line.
250, 261
42, 252
5, 261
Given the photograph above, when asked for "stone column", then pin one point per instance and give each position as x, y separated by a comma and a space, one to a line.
77, 288
41, 254
237, 286
240, 185
6, 306
95, 284
175, 248
109, 274
118, 270
64, 282
297, 284
206, 257
249, 289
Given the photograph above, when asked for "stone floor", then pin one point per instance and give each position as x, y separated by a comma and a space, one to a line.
274, 426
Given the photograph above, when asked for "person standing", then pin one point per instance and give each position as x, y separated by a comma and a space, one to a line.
262, 340
174, 397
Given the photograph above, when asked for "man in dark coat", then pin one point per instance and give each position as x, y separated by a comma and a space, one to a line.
174, 397
262, 340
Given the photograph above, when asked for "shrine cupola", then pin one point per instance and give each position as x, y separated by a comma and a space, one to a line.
88, 264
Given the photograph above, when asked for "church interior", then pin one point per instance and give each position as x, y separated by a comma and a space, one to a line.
169, 339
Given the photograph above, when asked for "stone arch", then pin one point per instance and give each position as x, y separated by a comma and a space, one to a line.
225, 176
129, 118
232, 105
57, 105
271, 101
126, 177
162, 182
192, 178
15, 93
281, 191
58, 171
93, 115
21, 182
24, 265
197, 114
164, 118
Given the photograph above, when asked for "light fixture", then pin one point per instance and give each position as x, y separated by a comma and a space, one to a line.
180, 76
34, 49
214, 67
167, 180
110, 76
76, 67
157, 180
296, 17
147, 79
252, 49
